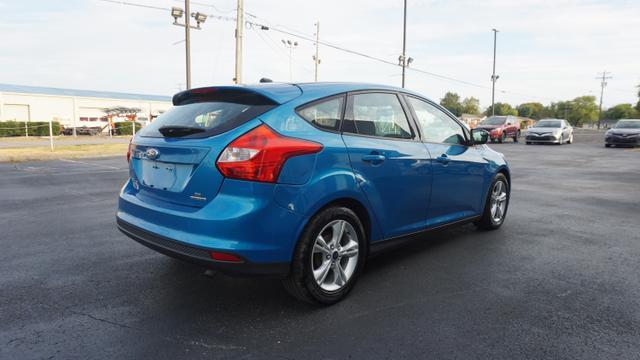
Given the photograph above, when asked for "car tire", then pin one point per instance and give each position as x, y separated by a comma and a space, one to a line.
489, 220
302, 282
561, 141
570, 141
607, 145
528, 142
515, 138
502, 138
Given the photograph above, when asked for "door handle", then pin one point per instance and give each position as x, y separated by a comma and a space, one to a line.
443, 159
373, 158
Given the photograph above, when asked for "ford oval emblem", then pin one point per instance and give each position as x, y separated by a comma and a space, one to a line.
151, 153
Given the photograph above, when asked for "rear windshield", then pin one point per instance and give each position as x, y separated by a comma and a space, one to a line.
494, 120
628, 124
202, 119
548, 124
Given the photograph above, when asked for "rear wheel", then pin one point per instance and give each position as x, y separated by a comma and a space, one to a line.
329, 257
607, 145
496, 204
528, 142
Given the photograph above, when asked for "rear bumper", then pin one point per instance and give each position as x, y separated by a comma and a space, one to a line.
198, 255
243, 219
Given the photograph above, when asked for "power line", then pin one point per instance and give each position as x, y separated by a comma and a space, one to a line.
135, 4
302, 36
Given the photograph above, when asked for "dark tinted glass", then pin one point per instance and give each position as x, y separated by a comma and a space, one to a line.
208, 118
377, 114
325, 114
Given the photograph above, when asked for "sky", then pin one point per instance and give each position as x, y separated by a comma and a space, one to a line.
546, 50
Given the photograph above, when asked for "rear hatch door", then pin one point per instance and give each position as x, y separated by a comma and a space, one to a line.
173, 159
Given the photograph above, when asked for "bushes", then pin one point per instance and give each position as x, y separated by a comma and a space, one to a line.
126, 127
36, 128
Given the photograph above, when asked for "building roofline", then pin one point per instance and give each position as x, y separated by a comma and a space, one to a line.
38, 90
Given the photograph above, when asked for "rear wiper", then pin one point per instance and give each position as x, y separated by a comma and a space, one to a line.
178, 131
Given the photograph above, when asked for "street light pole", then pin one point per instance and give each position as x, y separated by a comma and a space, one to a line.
200, 18
291, 45
404, 43
493, 75
403, 60
187, 45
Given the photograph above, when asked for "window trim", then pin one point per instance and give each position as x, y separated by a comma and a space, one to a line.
415, 137
466, 132
321, 100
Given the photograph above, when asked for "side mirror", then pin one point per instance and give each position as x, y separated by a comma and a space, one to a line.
479, 136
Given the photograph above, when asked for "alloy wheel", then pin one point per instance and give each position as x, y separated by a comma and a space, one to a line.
335, 255
498, 201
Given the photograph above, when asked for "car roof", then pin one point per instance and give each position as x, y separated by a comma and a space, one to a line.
284, 92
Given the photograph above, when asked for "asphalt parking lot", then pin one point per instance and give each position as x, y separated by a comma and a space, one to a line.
560, 279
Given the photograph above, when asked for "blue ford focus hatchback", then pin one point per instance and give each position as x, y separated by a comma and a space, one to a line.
304, 181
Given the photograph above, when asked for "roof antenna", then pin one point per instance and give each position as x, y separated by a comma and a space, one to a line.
265, 80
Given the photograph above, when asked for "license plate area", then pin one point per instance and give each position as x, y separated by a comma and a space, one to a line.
165, 176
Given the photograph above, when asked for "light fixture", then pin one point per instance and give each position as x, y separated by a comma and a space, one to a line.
409, 60
200, 17
176, 12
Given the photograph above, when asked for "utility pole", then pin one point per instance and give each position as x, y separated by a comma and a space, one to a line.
494, 77
239, 28
200, 18
603, 82
290, 45
316, 57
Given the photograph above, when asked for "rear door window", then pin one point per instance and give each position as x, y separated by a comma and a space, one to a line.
377, 114
325, 114
203, 119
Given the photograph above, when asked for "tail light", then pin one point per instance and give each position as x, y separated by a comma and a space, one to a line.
260, 154
129, 150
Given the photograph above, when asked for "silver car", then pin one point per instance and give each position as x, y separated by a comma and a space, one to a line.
553, 131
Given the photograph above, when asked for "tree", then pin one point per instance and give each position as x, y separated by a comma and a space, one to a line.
638, 104
531, 110
583, 110
471, 106
451, 101
620, 111
578, 111
502, 109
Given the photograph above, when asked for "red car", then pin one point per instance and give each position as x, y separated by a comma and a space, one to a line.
501, 127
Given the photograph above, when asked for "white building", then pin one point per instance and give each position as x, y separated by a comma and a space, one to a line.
73, 108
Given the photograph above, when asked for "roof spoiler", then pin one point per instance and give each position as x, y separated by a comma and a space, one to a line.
234, 94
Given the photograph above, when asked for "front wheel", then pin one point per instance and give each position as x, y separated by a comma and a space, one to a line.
496, 204
502, 138
516, 137
329, 257
570, 141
